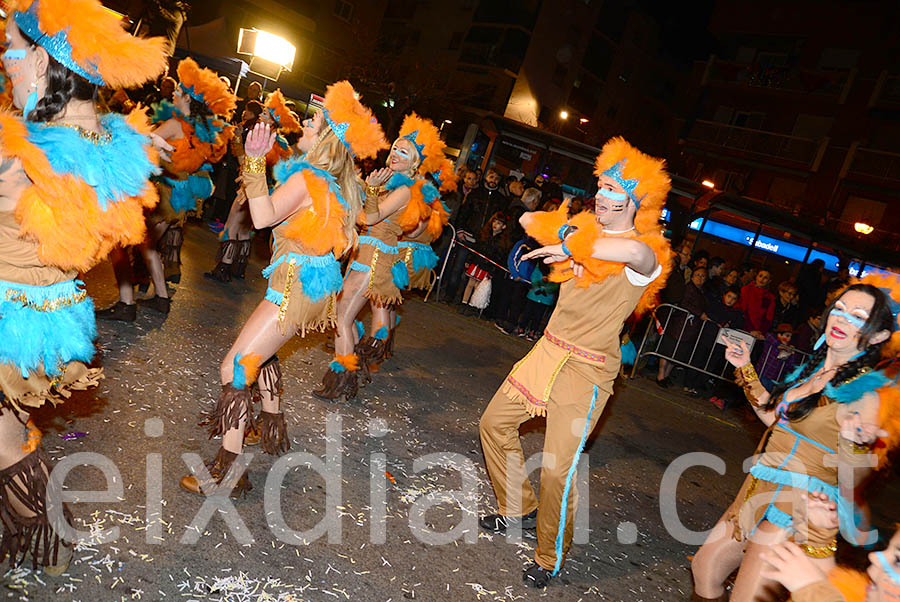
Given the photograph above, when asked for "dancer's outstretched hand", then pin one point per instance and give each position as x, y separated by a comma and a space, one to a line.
550, 254
818, 511
737, 354
162, 147
790, 566
259, 141
378, 177
860, 429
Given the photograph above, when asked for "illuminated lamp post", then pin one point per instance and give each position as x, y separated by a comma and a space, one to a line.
270, 54
863, 228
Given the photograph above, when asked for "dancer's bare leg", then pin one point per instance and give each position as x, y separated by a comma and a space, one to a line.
122, 269
153, 260
349, 304
716, 559
261, 336
381, 317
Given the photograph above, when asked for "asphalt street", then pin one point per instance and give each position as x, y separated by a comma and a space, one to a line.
426, 403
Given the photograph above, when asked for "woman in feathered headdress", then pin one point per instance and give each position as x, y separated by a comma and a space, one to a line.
832, 416
313, 212
377, 274
75, 184
234, 250
194, 123
611, 262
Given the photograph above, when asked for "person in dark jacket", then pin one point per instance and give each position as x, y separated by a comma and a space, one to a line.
492, 247
786, 309
683, 327
478, 206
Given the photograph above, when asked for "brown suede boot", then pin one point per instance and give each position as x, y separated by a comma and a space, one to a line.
335, 385
275, 440
223, 480
242, 257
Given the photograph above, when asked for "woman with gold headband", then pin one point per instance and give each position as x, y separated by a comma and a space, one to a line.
313, 212
74, 184
611, 262
234, 250
377, 275
830, 417
192, 124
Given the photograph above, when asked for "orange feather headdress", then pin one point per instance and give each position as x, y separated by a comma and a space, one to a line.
445, 177
890, 286
285, 120
352, 122
204, 85
89, 40
624, 162
422, 133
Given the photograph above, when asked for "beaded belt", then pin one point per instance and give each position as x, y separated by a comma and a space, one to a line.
47, 298
594, 357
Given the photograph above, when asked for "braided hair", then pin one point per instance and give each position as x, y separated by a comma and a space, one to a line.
63, 85
880, 318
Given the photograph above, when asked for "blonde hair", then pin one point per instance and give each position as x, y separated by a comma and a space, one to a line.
330, 154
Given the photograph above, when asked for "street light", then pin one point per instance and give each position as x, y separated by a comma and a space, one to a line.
271, 54
708, 183
863, 228
583, 120
563, 114
443, 123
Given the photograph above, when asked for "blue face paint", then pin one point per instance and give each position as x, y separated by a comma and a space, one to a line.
15, 54
855, 321
890, 571
613, 196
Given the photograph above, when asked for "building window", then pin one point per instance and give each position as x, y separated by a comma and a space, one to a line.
343, 10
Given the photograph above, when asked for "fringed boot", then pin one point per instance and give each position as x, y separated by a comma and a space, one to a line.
235, 404
341, 379
389, 343
26, 510
224, 477
239, 266
224, 259
272, 426
371, 351
170, 250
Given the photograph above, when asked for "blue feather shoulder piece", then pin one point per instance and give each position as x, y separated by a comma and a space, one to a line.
397, 180
163, 111
430, 193
285, 168
855, 388
116, 167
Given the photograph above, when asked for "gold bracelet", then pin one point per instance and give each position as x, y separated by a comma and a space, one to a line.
859, 448
748, 373
820, 551
373, 190
254, 164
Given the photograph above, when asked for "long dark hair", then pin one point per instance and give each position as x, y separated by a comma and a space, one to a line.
63, 85
880, 318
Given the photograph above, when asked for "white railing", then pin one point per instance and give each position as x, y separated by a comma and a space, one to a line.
760, 142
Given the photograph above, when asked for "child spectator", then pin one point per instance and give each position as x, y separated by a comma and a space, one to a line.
777, 358
809, 332
787, 311
540, 298
493, 244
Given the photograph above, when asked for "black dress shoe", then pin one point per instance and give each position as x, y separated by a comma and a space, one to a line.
536, 576
121, 312
157, 303
497, 523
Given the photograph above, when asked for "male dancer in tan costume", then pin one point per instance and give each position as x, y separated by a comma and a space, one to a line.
610, 263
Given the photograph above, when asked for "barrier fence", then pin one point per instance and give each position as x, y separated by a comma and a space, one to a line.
678, 336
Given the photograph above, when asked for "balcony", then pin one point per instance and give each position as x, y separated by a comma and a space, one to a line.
826, 84
880, 165
805, 151
886, 94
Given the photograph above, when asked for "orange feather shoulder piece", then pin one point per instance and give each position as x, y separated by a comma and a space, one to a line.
320, 228
417, 210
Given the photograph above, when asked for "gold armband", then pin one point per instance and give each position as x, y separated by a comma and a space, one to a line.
254, 164
856, 448
820, 551
255, 185
747, 378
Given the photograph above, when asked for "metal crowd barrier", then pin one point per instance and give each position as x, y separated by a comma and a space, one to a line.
454, 242
694, 343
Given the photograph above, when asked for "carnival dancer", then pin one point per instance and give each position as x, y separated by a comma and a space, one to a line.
313, 211
619, 261
234, 249
73, 185
377, 275
788, 564
192, 124
825, 419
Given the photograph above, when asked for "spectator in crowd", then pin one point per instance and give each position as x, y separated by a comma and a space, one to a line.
809, 285
697, 261
715, 283
540, 299
806, 335
726, 314
675, 285
576, 206
552, 191
682, 327
748, 274
515, 190
476, 211
724, 311
786, 309
528, 201
493, 244
254, 94
777, 359
454, 200
731, 277
758, 305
